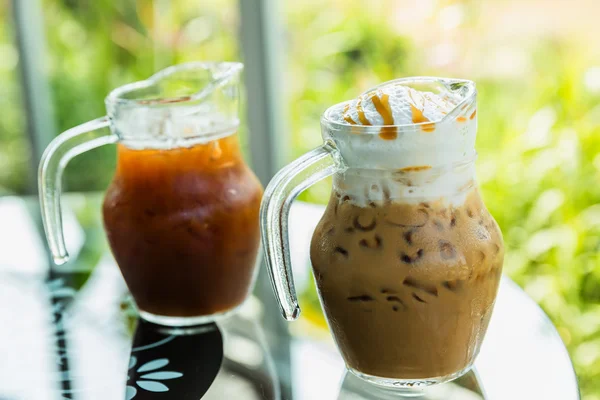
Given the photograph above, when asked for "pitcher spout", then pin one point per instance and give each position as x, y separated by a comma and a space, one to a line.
184, 104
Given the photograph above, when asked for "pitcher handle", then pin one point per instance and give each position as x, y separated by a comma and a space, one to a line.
287, 184
59, 152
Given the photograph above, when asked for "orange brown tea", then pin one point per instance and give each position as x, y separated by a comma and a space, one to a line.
182, 224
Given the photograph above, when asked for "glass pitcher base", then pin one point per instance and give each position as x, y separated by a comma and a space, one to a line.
407, 387
170, 321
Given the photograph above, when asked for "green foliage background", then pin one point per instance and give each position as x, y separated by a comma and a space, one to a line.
539, 136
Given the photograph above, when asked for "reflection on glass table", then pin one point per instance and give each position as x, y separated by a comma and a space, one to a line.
466, 387
72, 333
212, 362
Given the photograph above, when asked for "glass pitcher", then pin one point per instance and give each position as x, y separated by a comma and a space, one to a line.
181, 213
406, 258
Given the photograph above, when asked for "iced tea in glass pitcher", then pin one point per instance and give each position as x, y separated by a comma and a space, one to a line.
406, 258
181, 214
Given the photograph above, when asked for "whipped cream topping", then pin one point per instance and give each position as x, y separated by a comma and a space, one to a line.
421, 146
397, 104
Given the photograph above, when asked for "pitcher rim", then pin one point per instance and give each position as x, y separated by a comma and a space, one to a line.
231, 69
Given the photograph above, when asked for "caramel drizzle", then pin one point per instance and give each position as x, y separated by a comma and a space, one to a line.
473, 115
382, 105
418, 117
348, 118
416, 168
361, 113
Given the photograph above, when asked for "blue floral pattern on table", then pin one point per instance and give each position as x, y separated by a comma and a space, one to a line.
149, 381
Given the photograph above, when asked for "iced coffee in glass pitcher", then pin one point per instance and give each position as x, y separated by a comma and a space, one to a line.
181, 214
407, 259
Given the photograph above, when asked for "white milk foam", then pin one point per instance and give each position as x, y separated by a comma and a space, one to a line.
429, 156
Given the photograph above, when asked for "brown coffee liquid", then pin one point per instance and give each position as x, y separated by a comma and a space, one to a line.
408, 289
183, 227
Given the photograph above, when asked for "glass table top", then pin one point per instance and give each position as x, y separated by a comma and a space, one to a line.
72, 332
